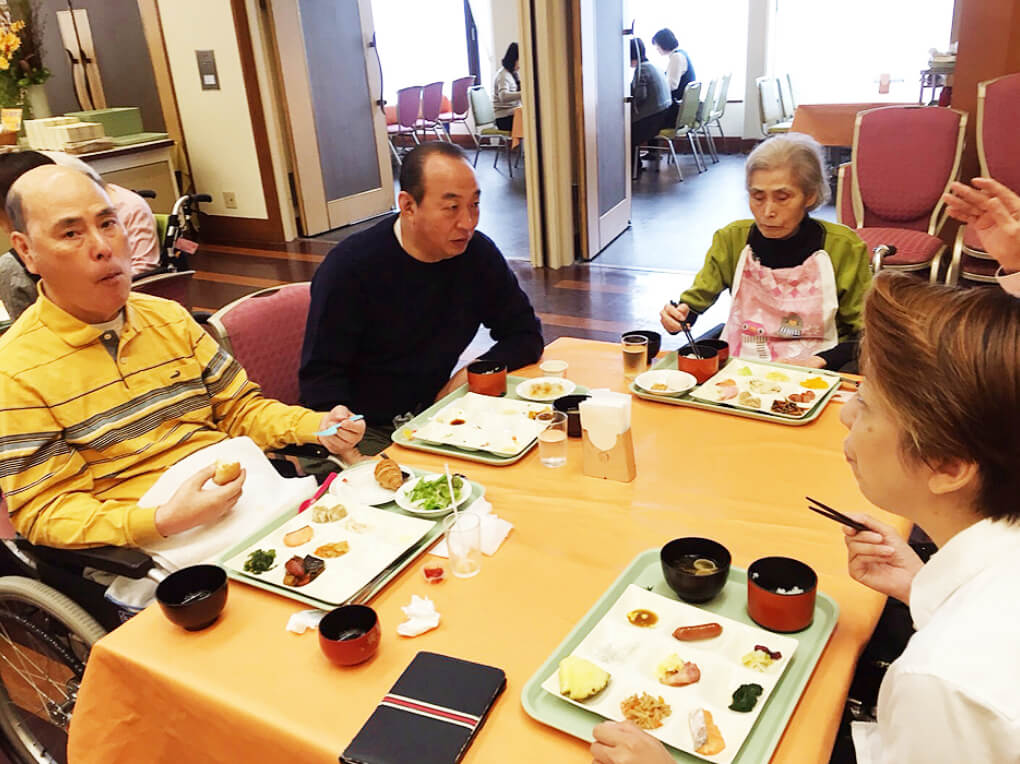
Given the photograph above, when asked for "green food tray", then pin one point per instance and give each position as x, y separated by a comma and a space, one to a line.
477, 491
646, 571
484, 457
669, 362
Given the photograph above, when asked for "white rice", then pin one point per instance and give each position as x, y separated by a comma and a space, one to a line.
791, 590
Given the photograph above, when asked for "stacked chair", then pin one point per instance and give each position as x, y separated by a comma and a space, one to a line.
998, 114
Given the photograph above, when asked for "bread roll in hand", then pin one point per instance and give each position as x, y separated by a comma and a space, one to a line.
226, 472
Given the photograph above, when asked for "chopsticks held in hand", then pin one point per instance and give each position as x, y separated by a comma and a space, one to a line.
826, 511
687, 333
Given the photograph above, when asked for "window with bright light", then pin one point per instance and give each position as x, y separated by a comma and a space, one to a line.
420, 43
713, 33
838, 52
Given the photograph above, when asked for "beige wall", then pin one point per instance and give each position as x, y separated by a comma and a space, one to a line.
216, 123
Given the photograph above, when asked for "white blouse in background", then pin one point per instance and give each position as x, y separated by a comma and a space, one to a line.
506, 94
954, 694
675, 69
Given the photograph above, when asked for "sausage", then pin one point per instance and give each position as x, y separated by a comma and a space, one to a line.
701, 631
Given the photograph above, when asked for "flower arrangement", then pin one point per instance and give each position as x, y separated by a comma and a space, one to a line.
21, 63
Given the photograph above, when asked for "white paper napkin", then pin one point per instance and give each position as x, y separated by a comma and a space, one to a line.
605, 415
494, 529
264, 496
421, 617
303, 620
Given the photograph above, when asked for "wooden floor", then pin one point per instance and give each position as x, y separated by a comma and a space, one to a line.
589, 301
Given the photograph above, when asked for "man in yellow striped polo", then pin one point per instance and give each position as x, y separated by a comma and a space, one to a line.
102, 389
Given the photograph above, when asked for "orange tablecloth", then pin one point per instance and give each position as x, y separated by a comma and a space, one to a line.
517, 129
246, 690
832, 124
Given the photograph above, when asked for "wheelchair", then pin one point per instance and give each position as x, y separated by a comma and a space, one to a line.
50, 616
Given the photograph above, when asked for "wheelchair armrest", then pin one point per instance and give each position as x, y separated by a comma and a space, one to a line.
121, 561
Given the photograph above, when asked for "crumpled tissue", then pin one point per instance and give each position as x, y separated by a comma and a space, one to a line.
421, 617
304, 620
494, 529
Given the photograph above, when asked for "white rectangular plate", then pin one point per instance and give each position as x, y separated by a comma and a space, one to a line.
376, 538
631, 655
485, 423
786, 379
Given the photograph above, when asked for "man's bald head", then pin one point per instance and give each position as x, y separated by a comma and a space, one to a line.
35, 185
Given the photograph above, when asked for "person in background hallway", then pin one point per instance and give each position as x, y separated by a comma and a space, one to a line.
650, 98
679, 71
506, 90
993, 211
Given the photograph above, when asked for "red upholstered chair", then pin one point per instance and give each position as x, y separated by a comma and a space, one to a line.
175, 285
264, 332
998, 114
844, 196
904, 158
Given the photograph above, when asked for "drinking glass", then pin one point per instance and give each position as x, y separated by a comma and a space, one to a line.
635, 356
552, 441
464, 544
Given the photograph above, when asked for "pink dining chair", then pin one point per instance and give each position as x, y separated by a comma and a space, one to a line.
459, 105
264, 331
904, 158
844, 196
998, 114
408, 112
431, 106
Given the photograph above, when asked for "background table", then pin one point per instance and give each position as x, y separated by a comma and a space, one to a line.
246, 690
832, 124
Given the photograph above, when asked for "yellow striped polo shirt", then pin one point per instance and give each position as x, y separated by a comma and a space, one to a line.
89, 419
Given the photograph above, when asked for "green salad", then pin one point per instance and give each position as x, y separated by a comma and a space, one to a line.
260, 561
434, 493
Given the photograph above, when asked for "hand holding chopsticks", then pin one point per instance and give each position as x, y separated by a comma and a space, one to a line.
686, 327
826, 511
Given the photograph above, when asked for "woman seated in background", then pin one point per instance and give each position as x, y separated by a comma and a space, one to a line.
651, 98
506, 90
17, 285
679, 71
933, 437
797, 283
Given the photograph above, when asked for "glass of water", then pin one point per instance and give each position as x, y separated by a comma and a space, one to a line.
464, 544
635, 356
552, 441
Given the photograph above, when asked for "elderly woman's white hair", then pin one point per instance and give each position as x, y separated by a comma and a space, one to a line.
802, 155
74, 163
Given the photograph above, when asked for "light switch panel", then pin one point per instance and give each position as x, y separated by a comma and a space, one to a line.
207, 69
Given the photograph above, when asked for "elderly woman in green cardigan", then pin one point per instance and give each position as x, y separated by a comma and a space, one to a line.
798, 284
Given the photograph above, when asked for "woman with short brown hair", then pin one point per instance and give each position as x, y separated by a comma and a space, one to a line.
935, 437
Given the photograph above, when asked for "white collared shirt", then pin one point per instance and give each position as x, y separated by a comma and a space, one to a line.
954, 693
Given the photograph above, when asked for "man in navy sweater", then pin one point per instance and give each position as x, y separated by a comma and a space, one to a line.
393, 307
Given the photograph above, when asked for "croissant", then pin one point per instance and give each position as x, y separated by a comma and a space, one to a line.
388, 475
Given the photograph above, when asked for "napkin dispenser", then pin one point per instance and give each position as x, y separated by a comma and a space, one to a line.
607, 445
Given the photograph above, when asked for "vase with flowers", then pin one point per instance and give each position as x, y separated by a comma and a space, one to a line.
21, 67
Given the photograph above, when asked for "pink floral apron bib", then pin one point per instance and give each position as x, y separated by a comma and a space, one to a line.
781, 314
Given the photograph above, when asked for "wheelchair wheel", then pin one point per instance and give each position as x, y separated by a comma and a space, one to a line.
45, 640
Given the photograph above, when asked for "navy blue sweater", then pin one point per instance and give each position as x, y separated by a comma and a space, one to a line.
385, 331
